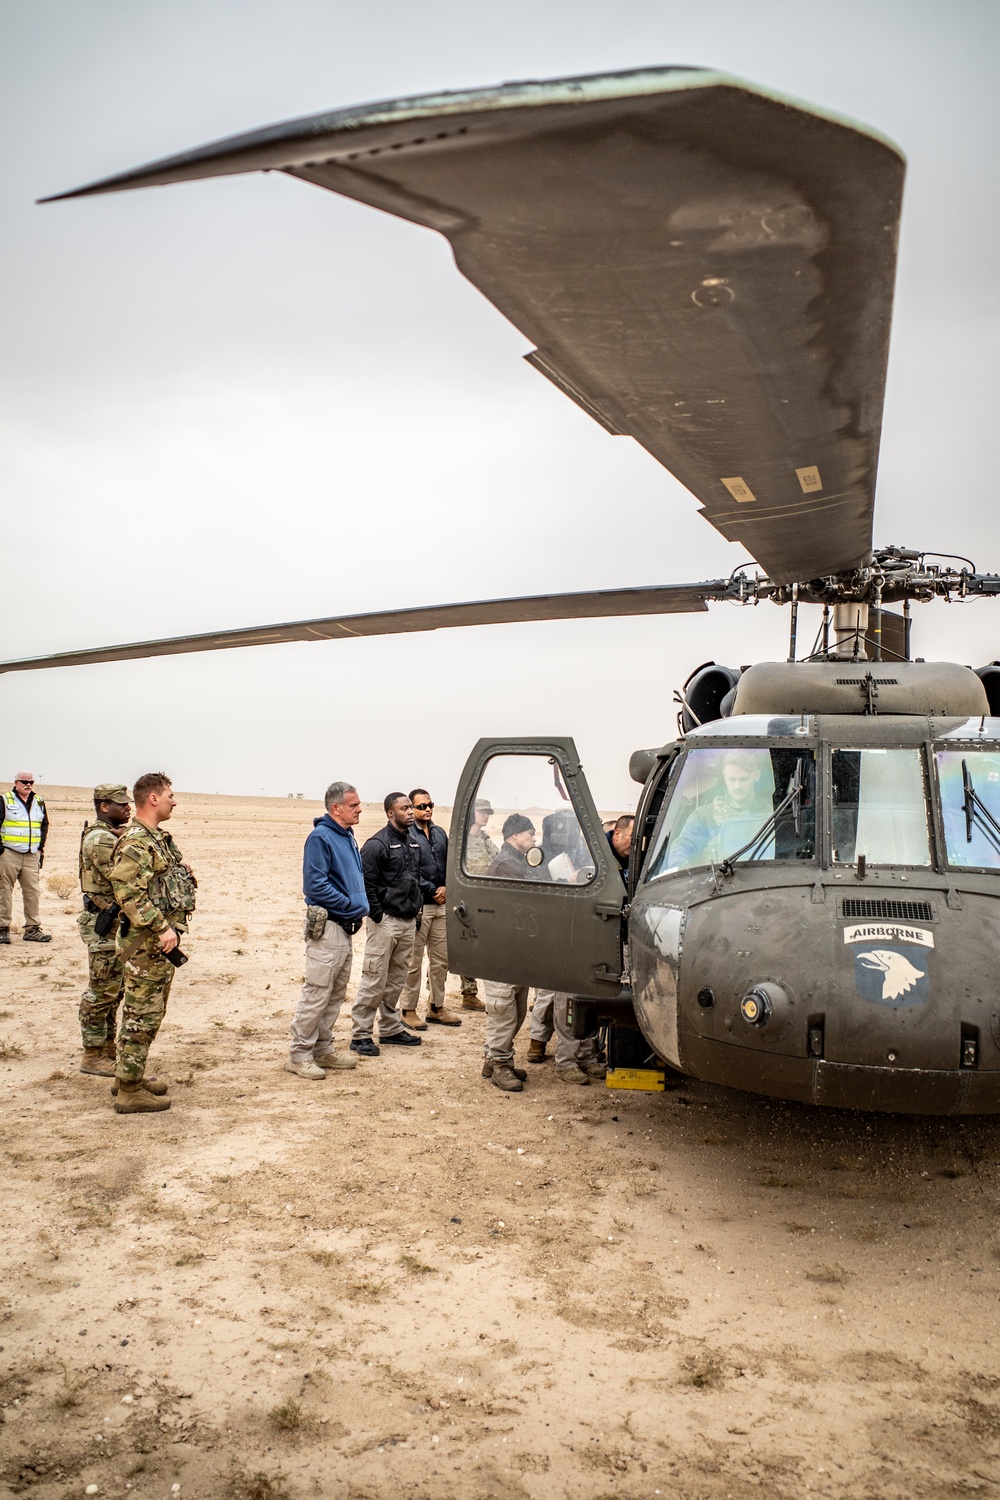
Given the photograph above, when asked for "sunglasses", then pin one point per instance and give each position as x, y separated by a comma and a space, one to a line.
22, 782
423, 806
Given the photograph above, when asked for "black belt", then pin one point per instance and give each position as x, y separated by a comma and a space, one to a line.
350, 925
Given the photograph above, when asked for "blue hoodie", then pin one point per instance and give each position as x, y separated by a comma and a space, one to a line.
331, 871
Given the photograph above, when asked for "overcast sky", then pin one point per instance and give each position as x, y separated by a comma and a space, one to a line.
246, 400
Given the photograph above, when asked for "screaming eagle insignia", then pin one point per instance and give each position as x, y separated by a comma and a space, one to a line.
895, 975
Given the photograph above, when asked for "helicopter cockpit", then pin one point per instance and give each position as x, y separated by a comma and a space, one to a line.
739, 802
928, 805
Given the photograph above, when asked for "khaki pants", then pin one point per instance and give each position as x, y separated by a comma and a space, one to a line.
19, 869
388, 949
506, 1008
548, 1015
328, 968
432, 936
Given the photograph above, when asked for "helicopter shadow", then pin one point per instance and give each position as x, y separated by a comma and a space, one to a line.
903, 1169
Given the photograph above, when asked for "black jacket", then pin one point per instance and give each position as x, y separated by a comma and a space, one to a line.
433, 859
391, 864
510, 864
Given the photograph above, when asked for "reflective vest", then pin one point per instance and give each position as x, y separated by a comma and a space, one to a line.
21, 829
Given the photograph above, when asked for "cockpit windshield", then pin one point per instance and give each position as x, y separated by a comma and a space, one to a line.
970, 807
878, 807
738, 804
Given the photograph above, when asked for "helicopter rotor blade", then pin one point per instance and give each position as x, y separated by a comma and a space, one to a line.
600, 603
702, 264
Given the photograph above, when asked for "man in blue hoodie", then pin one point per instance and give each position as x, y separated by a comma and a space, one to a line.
332, 882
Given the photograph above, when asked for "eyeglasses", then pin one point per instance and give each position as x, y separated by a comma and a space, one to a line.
23, 781
423, 806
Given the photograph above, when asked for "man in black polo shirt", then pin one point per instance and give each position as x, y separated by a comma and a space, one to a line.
432, 933
390, 861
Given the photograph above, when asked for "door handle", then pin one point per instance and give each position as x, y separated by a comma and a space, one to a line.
462, 913
607, 909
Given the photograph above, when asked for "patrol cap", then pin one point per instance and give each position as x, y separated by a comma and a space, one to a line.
111, 791
483, 804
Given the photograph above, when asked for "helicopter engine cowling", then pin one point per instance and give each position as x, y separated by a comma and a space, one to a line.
989, 676
704, 696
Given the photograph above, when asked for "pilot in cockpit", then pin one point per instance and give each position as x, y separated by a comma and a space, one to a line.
730, 819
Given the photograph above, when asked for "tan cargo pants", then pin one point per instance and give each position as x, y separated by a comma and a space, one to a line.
506, 1008
328, 968
548, 1015
388, 949
432, 936
19, 869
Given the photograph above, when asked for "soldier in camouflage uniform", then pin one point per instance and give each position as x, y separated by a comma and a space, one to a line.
99, 1005
155, 890
480, 851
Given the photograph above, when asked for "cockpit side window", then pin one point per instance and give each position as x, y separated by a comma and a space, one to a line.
970, 807
523, 825
742, 803
878, 807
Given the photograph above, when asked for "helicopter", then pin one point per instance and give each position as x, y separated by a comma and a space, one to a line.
811, 904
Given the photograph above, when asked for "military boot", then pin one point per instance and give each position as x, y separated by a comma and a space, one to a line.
133, 1099
472, 1002
96, 1060
572, 1074
439, 1015
35, 935
504, 1077
4, 934
488, 1066
110, 1049
151, 1085
536, 1051
332, 1061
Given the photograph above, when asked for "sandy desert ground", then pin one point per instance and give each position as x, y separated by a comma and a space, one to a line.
401, 1282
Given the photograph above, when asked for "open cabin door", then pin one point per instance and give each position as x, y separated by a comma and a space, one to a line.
542, 904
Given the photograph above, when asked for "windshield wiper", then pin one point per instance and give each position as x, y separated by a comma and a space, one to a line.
793, 800
977, 812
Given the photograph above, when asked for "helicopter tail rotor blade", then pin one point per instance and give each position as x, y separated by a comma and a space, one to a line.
700, 263
595, 604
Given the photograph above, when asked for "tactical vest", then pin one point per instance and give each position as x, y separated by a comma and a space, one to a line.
92, 881
174, 890
21, 830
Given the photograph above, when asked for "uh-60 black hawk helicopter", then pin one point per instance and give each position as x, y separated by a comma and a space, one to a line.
813, 902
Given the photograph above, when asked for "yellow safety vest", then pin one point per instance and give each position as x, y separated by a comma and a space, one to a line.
21, 829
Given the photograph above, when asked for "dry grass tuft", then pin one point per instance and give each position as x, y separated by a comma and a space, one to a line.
69, 1394
410, 1263
244, 1484
834, 1275
10, 1051
287, 1417
61, 884
704, 1371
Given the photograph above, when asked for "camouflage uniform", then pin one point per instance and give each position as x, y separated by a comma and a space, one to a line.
154, 892
480, 851
99, 1004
